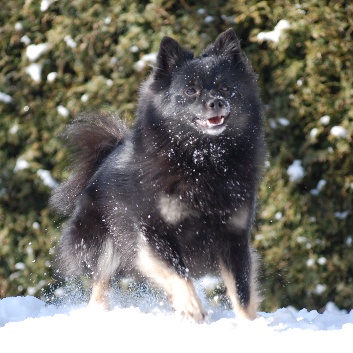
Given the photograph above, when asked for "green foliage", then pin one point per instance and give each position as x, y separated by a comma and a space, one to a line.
303, 236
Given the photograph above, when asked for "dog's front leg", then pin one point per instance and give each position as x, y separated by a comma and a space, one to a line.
180, 289
100, 294
238, 267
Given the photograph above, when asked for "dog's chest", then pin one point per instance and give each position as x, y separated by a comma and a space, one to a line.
173, 210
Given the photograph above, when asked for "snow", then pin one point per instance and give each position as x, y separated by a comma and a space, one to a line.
338, 131
20, 266
25, 39
108, 20
296, 171
313, 133
47, 179
278, 216
84, 98
209, 19
322, 260
5, 98
14, 129
70, 42
320, 288
310, 262
18, 26
44, 5
283, 121
51, 77
35, 71
28, 324
342, 215
134, 49
63, 111
147, 59
21, 164
274, 35
318, 188
325, 120
34, 51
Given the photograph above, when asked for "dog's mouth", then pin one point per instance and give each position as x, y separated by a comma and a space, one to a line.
211, 122
213, 125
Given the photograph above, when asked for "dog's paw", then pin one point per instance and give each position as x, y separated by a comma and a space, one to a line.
101, 306
190, 309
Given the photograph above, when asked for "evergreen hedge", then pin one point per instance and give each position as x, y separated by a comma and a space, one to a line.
95, 56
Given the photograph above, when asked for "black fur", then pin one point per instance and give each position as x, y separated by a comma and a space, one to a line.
181, 181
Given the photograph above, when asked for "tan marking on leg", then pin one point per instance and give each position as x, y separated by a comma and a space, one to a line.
250, 312
99, 296
181, 291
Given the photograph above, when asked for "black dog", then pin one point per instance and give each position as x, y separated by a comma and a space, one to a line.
174, 197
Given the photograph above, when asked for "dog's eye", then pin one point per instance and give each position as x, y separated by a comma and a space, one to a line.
224, 88
190, 91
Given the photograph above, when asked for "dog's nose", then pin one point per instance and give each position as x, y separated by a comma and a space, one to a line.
216, 103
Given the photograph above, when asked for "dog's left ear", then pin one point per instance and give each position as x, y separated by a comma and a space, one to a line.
226, 44
170, 56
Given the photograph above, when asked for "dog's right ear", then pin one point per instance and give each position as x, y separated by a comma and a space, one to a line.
170, 56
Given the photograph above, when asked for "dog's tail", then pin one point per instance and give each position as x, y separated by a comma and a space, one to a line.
90, 138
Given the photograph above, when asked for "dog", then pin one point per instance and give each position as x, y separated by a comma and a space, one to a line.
173, 197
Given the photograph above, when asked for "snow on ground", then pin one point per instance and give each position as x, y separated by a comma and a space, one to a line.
28, 324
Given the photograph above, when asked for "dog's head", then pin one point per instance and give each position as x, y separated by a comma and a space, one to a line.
209, 94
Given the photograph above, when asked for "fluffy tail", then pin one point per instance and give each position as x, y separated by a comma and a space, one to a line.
90, 137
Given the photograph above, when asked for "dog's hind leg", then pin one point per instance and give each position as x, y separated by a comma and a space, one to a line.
238, 269
108, 263
180, 289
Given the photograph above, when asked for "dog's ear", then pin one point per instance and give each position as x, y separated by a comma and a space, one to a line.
170, 56
226, 44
